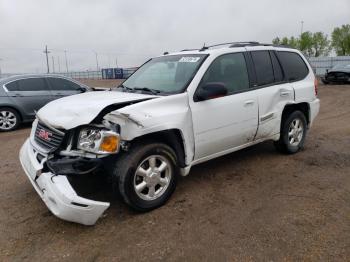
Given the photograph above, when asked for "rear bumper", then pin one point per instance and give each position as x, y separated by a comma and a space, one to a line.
57, 193
314, 109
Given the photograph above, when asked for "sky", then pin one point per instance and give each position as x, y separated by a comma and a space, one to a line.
129, 32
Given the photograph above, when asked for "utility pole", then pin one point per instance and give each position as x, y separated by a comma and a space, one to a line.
59, 65
97, 68
302, 27
53, 64
116, 62
46, 52
65, 56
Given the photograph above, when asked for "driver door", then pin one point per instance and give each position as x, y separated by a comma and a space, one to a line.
224, 123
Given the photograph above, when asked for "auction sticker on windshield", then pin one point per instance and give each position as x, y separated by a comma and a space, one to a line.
189, 59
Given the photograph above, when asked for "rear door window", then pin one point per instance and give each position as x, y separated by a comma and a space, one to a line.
277, 70
62, 84
32, 84
293, 65
263, 67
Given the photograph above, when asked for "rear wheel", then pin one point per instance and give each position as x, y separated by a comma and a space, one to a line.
146, 175
9, 119
293, 132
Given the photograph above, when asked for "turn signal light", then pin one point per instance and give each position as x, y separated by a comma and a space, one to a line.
109, 144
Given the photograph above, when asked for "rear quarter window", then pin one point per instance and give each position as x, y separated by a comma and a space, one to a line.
12, 86
293, 65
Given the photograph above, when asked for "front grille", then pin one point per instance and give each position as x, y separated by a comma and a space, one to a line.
47, 138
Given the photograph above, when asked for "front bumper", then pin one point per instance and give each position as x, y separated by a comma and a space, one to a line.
56, 191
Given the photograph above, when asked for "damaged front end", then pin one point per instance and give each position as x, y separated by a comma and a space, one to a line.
51, 158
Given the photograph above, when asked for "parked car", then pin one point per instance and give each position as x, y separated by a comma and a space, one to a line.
21, 96
174, 112
339, 74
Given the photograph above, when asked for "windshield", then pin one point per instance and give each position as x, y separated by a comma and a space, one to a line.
167, 74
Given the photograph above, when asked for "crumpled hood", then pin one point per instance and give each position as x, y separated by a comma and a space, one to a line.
76, 110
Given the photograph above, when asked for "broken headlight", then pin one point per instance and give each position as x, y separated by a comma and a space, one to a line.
98, 141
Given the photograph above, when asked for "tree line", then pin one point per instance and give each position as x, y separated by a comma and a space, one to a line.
318, 44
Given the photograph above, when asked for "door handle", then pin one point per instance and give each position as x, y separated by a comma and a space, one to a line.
249, 103
284, 92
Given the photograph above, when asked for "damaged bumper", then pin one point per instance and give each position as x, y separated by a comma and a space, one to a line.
56, 191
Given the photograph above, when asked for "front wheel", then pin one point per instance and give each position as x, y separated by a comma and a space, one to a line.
293, 132
146, 175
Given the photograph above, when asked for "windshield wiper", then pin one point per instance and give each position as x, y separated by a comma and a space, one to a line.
125, 88
146, 89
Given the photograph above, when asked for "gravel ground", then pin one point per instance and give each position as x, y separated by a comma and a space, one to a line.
255, 204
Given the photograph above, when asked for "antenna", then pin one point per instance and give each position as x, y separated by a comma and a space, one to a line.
204, 47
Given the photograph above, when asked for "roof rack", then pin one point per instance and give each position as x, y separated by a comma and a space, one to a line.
234, 44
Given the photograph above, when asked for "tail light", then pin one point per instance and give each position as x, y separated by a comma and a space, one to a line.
316, 86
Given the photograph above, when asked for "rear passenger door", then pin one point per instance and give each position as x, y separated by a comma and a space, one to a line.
29, 94
62, 87
273, 91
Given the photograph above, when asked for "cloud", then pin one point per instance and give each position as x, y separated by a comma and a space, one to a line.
132, 31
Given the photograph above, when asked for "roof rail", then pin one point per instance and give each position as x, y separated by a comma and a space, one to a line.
184, 50
236, 44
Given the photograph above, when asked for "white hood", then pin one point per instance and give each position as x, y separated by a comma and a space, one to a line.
76, 110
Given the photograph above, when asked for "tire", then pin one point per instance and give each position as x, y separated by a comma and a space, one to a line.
134, 170
325, 82
9, 119
293, 133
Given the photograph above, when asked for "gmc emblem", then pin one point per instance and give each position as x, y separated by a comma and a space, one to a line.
45, 135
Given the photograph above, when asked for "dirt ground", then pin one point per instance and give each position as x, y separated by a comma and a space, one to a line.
101, 82
255, 204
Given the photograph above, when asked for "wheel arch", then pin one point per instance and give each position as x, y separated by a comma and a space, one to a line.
170, 137
304, 107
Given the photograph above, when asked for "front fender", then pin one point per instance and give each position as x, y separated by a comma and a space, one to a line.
170, 112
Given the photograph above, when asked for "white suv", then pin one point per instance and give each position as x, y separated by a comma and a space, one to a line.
175, 111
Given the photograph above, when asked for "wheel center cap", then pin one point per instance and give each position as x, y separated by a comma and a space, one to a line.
153, 178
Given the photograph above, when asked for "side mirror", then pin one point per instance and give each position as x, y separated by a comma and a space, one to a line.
210, 91
82, 89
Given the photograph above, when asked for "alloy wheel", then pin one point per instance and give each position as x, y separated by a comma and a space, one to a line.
295, 132
7, 120
152, 177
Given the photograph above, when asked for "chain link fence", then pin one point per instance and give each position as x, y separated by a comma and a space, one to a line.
321, 64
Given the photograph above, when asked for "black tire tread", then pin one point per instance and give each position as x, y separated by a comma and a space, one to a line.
125, 160
282, 145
